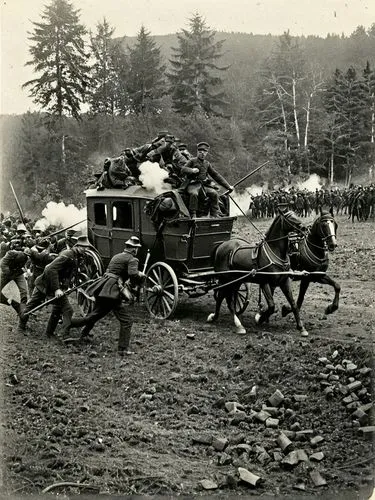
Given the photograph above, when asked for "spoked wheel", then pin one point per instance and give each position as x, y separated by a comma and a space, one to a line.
91, 268
161, 290
241, 298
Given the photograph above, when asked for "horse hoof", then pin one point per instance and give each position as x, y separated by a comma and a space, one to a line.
285, 310
241, 331
304, 333
210, 318
257, 318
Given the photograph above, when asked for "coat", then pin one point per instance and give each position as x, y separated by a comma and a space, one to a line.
122, 266
59, 273
205, 169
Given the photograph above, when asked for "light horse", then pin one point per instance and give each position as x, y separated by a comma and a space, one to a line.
269, 258
312, 256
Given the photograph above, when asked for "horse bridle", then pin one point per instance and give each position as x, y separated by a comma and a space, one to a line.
293, 226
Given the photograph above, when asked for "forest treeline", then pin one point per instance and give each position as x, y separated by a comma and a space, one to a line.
306, 104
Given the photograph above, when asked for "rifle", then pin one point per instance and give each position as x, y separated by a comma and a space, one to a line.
246, 176
67, 292
65, 229
17, 203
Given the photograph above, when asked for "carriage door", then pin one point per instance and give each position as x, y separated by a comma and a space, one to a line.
124, 224
99, 233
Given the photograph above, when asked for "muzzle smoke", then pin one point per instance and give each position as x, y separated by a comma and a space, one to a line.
61, 215
153, 176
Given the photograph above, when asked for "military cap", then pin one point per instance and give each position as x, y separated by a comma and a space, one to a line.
70, 232
203, 146
169, 138
21, 227
42, 244
182, 145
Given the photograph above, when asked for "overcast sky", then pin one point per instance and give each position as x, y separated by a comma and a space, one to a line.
161, 17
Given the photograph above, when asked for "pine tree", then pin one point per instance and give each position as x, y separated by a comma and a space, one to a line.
145, 75
194, 80
58, 54
104, 78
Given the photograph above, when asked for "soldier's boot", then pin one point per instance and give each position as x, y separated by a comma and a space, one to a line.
124, 341
85, 332
74, 323
52, 324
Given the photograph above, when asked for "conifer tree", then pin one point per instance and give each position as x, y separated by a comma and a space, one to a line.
145, 81
59, 59
194, 81
104, 78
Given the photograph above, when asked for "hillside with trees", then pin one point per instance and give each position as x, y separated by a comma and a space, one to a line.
306, 104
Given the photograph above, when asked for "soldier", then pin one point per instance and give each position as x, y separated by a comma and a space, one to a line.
197, 170
55, 278
108, 293
40, 257
12, 269
182, 147
65, 243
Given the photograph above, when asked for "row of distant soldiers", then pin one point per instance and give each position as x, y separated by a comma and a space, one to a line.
358, 202
168, 151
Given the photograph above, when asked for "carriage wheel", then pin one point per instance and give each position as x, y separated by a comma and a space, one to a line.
161, 290
91, 268
241, 298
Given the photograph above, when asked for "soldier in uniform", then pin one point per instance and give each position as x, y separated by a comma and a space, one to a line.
197, 171
67, 242
40, 257
108, 293
55, 278
12, 269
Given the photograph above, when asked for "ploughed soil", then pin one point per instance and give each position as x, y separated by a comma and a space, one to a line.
159, 423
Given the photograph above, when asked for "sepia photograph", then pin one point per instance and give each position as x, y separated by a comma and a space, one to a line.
187, 249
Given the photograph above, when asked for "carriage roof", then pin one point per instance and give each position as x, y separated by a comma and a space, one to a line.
138, 192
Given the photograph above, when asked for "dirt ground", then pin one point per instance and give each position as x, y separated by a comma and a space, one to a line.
160, 423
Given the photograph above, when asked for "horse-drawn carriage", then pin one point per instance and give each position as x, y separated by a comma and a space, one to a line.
176, 248
181, 254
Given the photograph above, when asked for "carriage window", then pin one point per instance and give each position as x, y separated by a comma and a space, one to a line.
100, 212
122, 214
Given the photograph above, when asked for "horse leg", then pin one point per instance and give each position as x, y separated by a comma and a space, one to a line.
230, 298
268, 295
286, 288
327, 280
219, 297
304, 285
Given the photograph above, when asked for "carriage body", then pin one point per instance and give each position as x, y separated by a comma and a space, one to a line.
180, 256
186, 244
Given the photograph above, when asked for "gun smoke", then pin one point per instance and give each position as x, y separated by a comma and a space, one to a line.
61, 215
153, 177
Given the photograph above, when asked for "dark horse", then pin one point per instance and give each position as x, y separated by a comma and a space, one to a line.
271, 262
312, 256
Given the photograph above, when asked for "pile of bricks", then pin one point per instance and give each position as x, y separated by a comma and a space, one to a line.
343, 378
279, 449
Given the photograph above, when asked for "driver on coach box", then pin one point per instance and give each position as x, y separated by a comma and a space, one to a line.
197, 171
